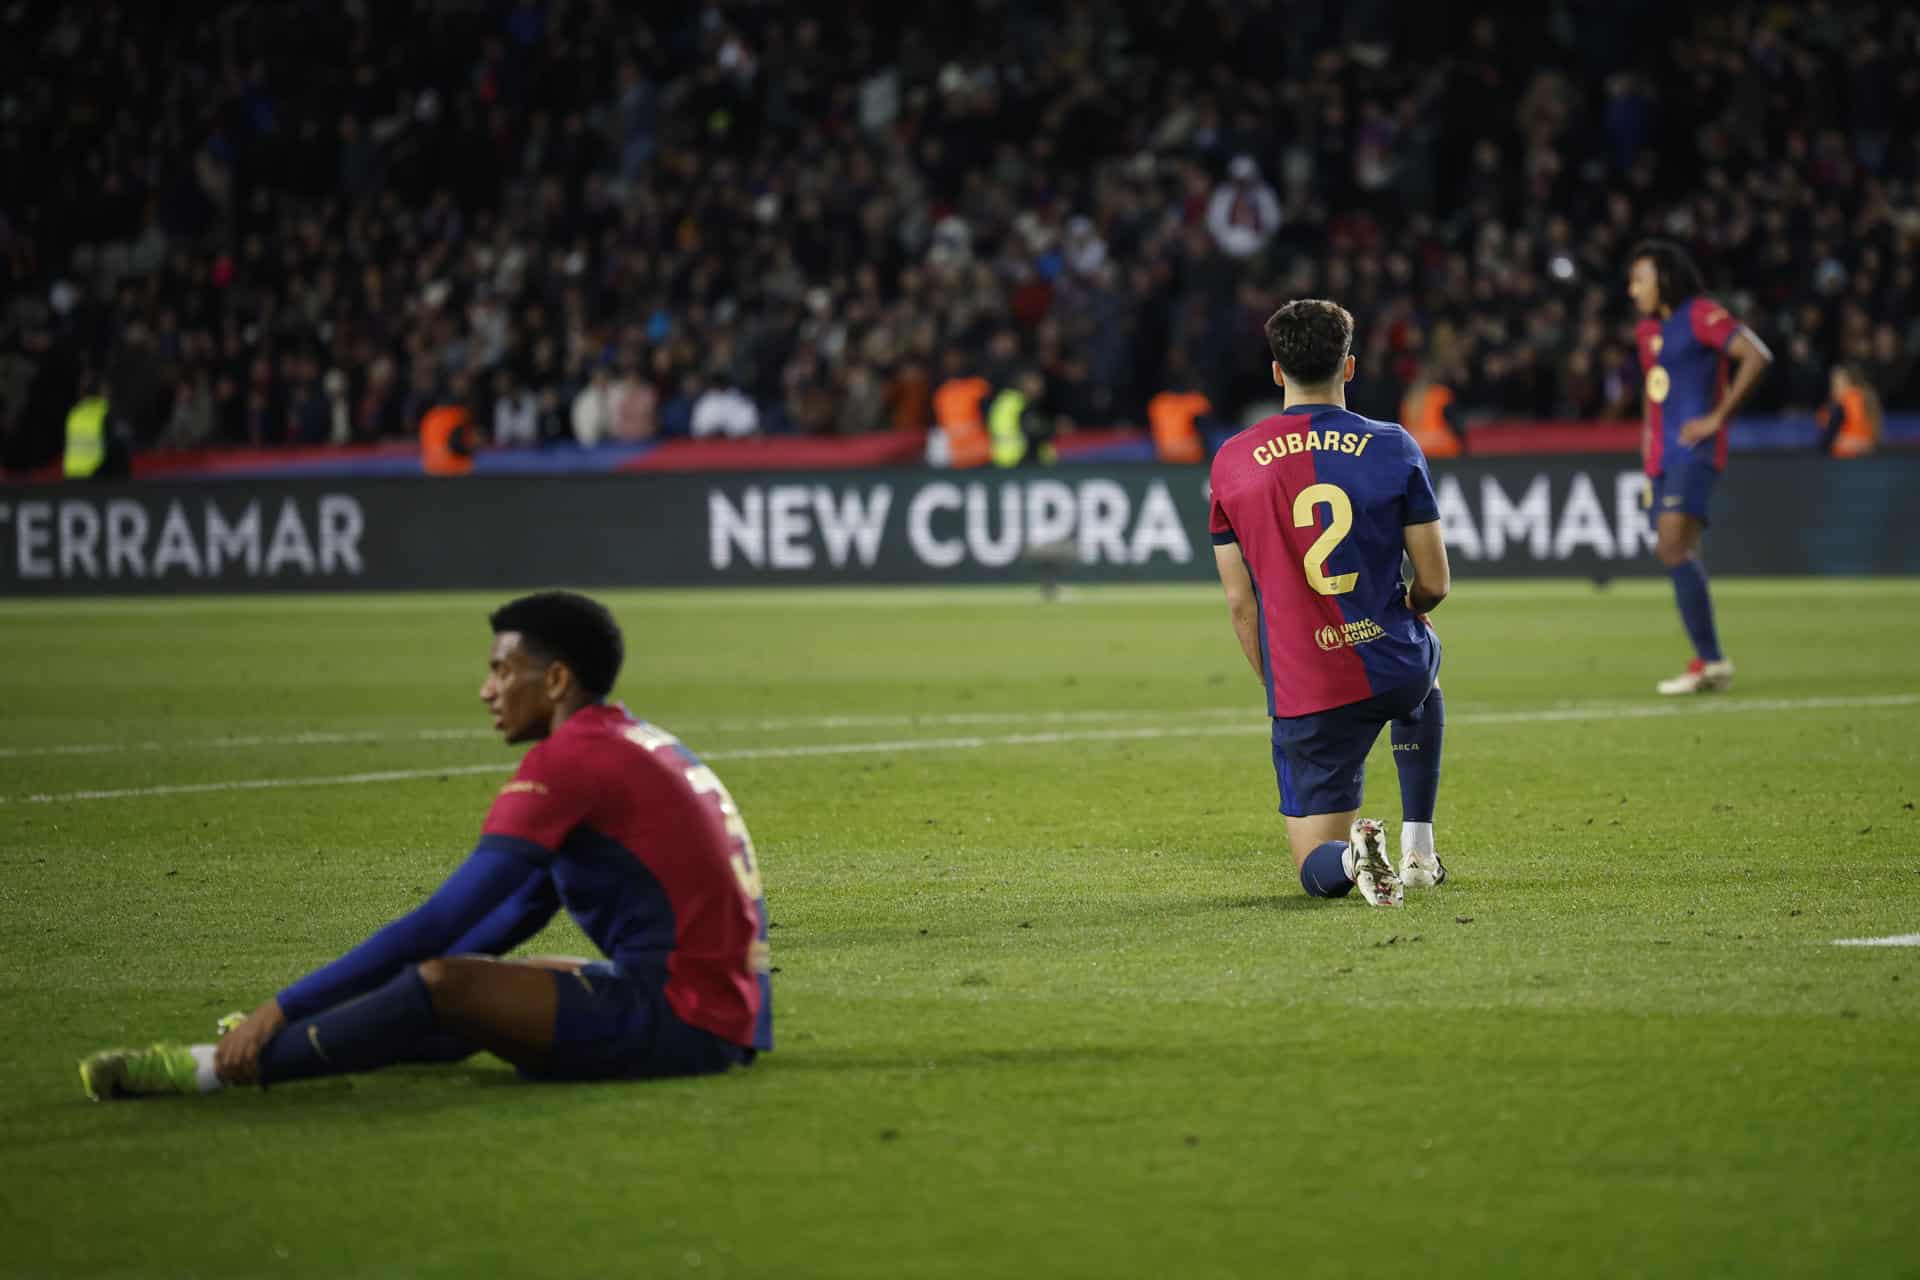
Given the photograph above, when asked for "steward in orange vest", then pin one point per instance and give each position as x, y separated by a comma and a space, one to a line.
1173, 415
958, 413
1427, 414
448, 441
1852, 419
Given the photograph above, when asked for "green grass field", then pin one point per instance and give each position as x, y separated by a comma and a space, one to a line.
1050, 1000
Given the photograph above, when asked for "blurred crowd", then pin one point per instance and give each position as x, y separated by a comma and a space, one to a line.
309, 221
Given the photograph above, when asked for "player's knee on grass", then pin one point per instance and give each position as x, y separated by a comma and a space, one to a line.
1323, 873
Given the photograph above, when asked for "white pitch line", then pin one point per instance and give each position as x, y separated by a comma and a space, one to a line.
262, 784
1684, 707
1896, 940
981, 742
908, 720
348, 737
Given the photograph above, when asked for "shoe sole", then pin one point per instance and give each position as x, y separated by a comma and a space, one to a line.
1375, 851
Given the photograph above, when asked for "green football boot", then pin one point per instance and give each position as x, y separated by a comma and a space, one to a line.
138, 1073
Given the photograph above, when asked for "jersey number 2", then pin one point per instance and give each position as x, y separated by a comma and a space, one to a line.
1323, 546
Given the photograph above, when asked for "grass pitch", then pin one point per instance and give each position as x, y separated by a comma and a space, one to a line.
1049, 999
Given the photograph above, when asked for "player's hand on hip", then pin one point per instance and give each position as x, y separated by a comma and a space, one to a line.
236, 1060
1698, 429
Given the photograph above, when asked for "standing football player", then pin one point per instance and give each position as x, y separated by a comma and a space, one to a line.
1686, 342
1313, 511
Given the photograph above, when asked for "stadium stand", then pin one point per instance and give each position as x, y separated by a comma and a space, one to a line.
302, 225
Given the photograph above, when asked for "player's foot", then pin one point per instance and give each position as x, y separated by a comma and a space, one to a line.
1421, 870
1700, 676
228, 1023
135, 1073
1367, 838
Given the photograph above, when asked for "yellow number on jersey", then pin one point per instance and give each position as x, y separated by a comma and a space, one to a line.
1323, 546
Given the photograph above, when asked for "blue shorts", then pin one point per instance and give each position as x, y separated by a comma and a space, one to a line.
612, 1027
1685, 488
1320, 760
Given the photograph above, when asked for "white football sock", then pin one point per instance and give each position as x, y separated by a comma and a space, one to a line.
203, 1075
1416, 837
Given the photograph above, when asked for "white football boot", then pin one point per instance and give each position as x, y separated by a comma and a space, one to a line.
1367, 847
1700, 676
1419, 869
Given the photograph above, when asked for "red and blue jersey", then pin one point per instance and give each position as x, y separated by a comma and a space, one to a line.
1317, 499
1684, 359
650, 856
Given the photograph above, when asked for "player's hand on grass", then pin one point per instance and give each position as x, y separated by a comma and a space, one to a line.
1698, 429
237, 1058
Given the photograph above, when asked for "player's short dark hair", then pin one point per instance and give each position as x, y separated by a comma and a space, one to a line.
1311, 338
563, 626
1678, 278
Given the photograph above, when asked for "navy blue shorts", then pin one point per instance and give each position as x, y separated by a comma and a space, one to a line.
611, 1027
1320, 760
1686, 488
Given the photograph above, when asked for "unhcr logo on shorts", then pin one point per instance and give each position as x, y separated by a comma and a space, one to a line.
1348, 634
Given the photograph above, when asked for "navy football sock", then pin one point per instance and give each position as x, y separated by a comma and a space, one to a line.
390, 1024
1696, 607
1416, 756
1324, 873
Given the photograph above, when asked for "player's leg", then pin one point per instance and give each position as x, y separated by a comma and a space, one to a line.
433, 1011
497, 1005
1678, 527
1417, 738
1337, 852
1320, 764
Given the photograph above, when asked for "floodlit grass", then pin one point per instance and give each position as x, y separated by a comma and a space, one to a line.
1049, 999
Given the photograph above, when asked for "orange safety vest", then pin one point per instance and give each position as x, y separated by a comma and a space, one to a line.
1856, 426
446, 441
1424, 415
957, 411
1171, 414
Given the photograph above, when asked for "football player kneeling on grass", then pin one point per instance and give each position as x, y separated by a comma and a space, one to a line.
1313, 510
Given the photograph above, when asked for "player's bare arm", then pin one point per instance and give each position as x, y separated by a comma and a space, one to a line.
1242, 607
1750, 362
1432, 578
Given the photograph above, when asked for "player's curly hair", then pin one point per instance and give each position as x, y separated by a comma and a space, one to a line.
1678, 278
563, 626
1311, 338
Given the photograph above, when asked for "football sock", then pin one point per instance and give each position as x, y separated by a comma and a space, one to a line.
1416, 757
1324, 874
1696, 608
387, 1025
204, 1078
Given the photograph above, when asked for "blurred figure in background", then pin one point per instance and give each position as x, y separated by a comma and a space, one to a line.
1851, 420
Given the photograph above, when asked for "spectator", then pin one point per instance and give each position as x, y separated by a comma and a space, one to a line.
1244, 213
723, 410
635, 405
190, 425
593, 408
516, 412
863, 403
